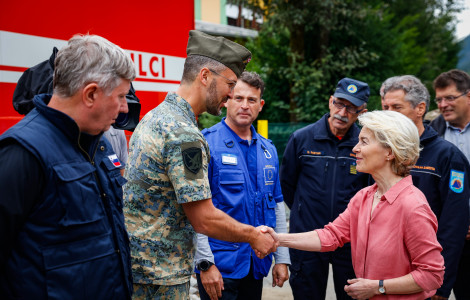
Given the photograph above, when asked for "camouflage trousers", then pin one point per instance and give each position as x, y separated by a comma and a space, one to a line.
161, 292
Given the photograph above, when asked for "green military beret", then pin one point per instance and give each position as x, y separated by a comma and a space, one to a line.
229, 53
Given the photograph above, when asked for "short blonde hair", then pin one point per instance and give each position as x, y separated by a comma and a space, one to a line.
397, 132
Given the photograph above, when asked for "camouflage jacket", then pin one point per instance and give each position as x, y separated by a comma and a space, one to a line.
167, 166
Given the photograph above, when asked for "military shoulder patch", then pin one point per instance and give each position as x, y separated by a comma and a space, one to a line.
192, 158
456, 181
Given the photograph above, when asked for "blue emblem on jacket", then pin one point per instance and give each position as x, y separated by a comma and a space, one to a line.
456, 181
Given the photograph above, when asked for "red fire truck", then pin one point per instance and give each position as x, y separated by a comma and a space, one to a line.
154, 33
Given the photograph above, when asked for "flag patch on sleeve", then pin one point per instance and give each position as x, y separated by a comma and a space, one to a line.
115, 160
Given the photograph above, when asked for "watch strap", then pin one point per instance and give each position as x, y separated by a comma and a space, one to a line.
381, 287
204, 265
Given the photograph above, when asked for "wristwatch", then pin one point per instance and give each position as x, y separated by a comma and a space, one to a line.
204, 265
381, 287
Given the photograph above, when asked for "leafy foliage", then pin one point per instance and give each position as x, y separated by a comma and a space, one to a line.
206, 120
306, 46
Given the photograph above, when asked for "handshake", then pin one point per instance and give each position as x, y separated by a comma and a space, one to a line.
265, 241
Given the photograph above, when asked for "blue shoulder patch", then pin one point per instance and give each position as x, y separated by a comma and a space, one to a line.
456, 182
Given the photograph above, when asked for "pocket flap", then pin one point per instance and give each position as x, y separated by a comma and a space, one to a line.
270, 202
232, 176
73, 171
77, 252
120, 180
223, 245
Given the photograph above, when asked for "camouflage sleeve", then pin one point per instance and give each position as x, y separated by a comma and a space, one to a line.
186, 157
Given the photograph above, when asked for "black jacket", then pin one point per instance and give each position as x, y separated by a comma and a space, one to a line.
436, 174
439, 124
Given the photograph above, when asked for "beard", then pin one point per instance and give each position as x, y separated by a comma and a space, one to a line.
212, 103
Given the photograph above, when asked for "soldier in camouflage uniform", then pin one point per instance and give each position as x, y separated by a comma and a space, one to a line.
167, 197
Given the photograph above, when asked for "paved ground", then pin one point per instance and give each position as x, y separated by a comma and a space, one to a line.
285, 293
269, 292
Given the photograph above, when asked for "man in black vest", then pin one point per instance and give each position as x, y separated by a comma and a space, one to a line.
61, 221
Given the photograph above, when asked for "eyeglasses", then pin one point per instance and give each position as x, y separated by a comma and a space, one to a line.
232, 82
349, 109
449, 99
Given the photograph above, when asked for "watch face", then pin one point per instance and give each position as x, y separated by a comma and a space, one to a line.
204, 265
382, 290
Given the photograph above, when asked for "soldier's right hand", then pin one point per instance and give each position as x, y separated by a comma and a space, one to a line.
213, 282
263, 243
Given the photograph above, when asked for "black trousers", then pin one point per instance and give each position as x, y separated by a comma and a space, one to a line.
462, 284
246, 288
309, 275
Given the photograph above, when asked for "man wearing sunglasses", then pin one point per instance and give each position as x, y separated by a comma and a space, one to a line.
453, 100
318, 178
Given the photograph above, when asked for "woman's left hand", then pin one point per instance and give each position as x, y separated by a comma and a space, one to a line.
360, 288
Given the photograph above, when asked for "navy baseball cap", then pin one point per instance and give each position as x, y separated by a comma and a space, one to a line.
355, 91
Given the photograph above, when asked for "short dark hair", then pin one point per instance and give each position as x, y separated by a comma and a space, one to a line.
254, 80
458, 77
194, 63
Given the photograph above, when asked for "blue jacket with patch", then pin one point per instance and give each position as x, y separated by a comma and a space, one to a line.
232, 192
319, 177
441, 173
73, 244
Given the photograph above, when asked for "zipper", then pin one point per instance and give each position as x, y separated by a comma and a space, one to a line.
333, 184
105, 200
91, 159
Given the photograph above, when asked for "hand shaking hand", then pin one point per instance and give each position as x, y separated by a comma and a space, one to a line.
266, 242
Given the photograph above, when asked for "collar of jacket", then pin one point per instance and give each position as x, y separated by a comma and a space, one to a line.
183, 105
429, 135
65, 123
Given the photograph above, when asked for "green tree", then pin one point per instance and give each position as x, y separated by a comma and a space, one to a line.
305, 47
